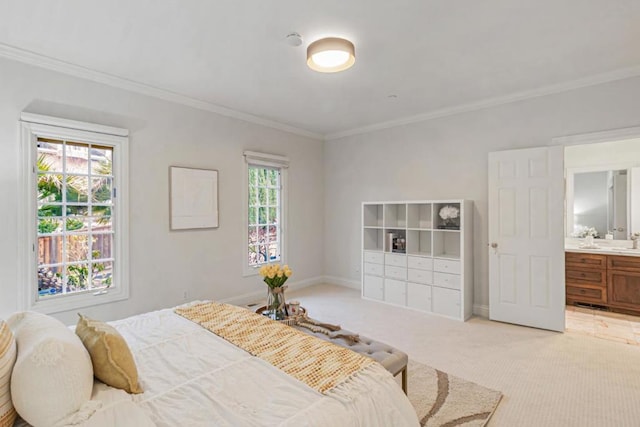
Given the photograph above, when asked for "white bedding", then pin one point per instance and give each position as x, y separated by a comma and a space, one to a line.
192, 377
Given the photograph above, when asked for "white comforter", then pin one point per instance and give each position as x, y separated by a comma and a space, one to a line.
192, 377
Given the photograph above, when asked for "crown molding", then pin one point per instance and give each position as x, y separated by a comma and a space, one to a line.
53, 64
42, 61
620, 74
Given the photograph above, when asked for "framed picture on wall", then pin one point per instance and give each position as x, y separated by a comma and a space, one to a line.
193, 198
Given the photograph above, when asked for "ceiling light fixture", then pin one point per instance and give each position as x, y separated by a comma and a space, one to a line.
331, 55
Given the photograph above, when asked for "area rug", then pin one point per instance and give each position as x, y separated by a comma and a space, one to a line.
443, 400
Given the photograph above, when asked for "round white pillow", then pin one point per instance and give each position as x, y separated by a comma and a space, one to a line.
53, 377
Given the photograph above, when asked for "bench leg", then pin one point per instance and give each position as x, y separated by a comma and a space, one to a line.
404, 380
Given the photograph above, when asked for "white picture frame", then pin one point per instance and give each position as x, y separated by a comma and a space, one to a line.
193, 198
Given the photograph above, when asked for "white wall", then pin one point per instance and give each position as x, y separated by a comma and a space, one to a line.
447, 158
163, 264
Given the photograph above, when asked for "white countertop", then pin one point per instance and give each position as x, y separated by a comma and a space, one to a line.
604, 247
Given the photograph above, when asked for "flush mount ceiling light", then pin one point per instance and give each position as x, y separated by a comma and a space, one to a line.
331, 55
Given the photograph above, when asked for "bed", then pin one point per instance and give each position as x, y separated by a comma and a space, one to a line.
193, 377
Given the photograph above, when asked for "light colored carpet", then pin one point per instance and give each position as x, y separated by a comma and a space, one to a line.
443, 400
548, 379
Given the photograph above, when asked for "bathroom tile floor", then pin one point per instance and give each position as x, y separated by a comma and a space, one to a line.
603, 324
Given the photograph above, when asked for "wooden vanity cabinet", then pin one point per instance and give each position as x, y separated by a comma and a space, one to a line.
586, 278
623, 277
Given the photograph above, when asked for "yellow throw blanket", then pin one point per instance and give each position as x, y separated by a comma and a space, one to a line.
319, 364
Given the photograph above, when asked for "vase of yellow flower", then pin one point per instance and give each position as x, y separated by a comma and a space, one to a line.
275, 276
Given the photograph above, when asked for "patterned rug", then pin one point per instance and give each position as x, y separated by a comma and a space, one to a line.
442, 400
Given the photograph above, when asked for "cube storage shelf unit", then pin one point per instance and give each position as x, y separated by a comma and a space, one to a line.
411, 260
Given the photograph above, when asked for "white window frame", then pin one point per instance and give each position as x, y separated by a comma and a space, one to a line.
32, 127
253, 158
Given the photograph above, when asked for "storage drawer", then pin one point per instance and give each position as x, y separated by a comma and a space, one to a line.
585, 276
395, 259
420, 276
373, 287
419, 296
395, 292
586, 294
585, 260
627, 263
420, 263
395, 272
446, 266
446, 302
375, 269
374, 257
451, 281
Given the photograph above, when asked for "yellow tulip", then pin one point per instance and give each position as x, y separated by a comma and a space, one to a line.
288, 273
280, 273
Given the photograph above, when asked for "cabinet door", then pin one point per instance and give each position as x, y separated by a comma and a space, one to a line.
395, 292
373, 287
446, 302
419, 296
624, 289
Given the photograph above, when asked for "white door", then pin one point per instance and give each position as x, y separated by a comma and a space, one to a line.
526, 237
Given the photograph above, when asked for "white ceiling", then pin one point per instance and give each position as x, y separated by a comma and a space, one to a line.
434, 55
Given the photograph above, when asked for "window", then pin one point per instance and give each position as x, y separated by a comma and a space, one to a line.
76, 214
266, 209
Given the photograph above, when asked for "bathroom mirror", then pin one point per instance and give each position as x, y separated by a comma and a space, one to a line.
603, 189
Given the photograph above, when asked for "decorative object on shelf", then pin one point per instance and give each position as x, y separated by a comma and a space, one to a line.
634, 238
275, 276
451, 217
582, 231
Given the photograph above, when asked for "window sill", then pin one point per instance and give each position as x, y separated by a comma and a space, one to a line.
76, 302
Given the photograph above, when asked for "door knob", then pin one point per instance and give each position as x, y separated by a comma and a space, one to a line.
494, 245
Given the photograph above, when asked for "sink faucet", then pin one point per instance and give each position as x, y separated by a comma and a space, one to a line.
634, 238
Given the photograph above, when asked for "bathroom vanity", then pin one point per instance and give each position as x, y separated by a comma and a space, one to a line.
606, 276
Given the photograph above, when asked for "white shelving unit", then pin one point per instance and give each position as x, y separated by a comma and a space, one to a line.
412, 258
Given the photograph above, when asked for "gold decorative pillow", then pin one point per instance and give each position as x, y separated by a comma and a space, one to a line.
7, 360
113, 363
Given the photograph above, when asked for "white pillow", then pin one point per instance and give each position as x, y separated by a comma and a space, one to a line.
53, 377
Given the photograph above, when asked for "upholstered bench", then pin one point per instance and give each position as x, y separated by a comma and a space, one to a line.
392, 359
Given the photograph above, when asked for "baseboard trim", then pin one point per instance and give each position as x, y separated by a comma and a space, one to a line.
251, 297
340, 281
481, 310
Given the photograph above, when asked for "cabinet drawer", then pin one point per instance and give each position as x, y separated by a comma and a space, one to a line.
375, 269
586, 276
395, 259
451, 281
586, 294
420, 263
373, 287
374, 257
585, 260
395, 272
419, 296
420, 276
395, 292
627, 263
446, 266
446, 302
